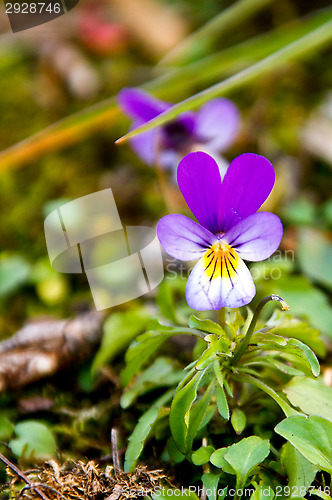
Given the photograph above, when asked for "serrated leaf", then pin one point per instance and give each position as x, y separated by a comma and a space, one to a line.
312, 396
33, 440
297, 352
300, 471
262, 338
238, 420
218, 373
245, 455
311, 436
202, 455
142, 430
288, 326
222, 404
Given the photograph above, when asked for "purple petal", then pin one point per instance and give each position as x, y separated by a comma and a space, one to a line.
183, 238
204, 293
217, 124
246, 185
200, 183
256, 237
140, 105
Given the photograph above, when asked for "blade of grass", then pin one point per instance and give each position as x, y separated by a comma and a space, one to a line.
304, 45
74, 128
227, 20
241, 55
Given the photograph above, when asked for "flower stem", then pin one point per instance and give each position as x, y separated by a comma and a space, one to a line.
245, 342
222, 317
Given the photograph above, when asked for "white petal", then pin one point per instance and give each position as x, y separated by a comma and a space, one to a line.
205, 292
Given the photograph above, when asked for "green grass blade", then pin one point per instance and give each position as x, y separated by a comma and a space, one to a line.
304, 45
227, 20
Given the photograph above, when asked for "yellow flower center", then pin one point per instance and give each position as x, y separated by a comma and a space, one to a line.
221, 260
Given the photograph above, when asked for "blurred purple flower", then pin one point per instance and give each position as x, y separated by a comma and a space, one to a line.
213, 128
229, 228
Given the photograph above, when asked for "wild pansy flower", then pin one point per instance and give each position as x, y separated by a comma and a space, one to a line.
212, 128
229, 228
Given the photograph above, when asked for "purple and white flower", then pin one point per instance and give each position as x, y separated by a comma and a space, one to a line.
229, 229
213, 128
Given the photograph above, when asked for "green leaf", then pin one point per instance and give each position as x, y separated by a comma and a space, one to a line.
218, 373
217, 459
300, 471
311, 436
283, 367
296, 351
196, 415
161, 373
174, 454
202, 455
307, 43
181, 405
287, 326
119, 330
142, 431
312, 396
245, 455
321, 494
222, 404
34, 440
146, 344
210, 482
206, 325
315, 255
262, 338
207, 358
309, 354
6, 429
238, 420
14, 272
286, 408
